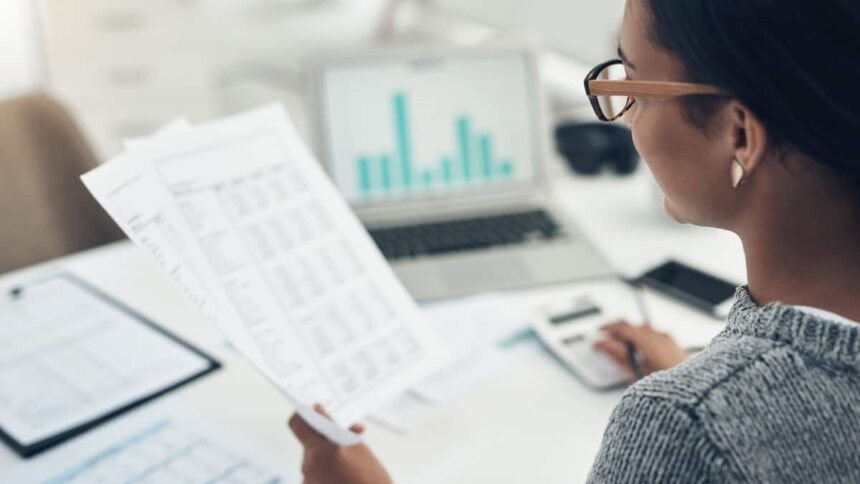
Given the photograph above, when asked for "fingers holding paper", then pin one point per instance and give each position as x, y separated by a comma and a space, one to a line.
356, 428
325, 462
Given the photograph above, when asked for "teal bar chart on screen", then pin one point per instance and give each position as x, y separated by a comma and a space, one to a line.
471, 158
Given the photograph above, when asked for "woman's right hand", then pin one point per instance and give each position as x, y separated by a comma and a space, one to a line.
658, 351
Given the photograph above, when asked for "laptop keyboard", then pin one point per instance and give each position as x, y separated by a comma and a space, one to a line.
437, 238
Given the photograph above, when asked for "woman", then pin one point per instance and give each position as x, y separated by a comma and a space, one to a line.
750, 121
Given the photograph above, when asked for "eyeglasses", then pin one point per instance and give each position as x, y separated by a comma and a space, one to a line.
612, 94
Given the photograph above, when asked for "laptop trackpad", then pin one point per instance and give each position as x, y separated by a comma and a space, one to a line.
479, 274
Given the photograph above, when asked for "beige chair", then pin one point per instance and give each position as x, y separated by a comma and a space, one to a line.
45, 211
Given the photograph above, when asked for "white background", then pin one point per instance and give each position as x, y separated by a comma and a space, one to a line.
235, 54
20, 61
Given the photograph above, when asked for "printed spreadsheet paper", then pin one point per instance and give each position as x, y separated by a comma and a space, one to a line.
164, 443
244, 220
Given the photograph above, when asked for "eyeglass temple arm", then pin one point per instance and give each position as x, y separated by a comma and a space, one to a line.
649, 89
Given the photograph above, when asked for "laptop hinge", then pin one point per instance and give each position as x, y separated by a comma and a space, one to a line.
392, 214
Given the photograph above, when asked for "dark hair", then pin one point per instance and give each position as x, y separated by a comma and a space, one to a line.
794, 63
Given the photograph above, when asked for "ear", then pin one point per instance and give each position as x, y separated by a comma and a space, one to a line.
749, 137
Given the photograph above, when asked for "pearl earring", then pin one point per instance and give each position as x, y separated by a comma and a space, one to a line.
738, 173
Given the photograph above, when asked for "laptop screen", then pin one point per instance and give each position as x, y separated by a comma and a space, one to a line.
411, 128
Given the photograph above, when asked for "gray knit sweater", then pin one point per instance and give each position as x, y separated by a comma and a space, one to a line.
774, 398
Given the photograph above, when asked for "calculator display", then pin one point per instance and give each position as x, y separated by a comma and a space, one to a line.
573, 316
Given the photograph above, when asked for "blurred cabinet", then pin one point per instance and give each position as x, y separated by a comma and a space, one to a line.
126, 67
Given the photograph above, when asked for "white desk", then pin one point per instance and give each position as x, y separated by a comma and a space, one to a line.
531, 423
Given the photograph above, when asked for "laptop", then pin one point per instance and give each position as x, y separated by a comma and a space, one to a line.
443, 157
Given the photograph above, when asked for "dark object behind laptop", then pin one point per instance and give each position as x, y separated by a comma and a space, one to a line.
589, 148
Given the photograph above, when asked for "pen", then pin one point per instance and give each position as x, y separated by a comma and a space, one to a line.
635, 360
633, 354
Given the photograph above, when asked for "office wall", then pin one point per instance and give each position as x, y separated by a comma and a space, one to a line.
584, 29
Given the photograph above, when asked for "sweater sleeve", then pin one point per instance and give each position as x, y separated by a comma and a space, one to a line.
651, 439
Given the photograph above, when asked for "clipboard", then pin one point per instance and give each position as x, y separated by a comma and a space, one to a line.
194, 362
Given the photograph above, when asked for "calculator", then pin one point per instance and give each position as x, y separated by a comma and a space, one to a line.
569, 331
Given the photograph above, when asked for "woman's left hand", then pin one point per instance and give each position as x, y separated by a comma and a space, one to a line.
328, 463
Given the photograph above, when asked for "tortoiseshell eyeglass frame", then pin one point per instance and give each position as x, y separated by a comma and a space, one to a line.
661, 90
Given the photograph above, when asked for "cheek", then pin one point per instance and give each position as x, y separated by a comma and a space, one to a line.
682, 160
